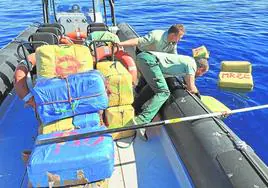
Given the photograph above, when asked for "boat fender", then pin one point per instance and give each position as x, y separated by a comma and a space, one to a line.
65, 40
106, 51
129, 63
20, 82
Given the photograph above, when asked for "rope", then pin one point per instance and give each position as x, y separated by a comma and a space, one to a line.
74, 102
74, 105
129, 144
133, 137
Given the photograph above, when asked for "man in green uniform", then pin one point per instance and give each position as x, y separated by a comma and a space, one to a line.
154, 66
158, 40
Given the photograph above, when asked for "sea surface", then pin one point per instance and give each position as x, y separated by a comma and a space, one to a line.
231, 30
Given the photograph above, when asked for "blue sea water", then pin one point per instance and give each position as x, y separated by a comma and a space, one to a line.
231, 30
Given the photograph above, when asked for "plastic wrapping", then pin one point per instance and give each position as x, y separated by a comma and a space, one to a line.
76, 94
72, 162
54, 60
118, 83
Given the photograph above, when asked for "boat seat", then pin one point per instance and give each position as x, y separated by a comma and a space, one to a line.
26, 51
96, 27
41, 38
53, 30
56, 25
57, 32
34, 41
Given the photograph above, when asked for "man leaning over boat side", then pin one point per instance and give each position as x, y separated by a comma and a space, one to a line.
158, 40
154, 66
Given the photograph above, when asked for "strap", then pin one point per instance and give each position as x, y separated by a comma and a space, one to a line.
26, 65
27, 97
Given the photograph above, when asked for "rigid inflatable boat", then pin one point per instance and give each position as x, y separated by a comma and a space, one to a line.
202, 153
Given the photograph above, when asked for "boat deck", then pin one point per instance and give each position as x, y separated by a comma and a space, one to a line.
18, 129
151, 163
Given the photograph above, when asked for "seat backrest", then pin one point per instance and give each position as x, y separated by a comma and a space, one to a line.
53, 30
57, 25
39, 39
96, 27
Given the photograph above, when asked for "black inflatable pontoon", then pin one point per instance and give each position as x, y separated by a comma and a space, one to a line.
213, 155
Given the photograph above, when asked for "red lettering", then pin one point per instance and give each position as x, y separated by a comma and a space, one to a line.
225, 74
58, 146
99, 140
247, 76
57, 149
67, 133
77, 143
240, 75
67, 65
235, 75
232, 75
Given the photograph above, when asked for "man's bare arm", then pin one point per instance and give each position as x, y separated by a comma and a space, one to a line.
130, 42
190, 83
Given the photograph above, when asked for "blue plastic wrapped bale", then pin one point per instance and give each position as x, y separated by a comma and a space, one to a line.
86, 120
76, 94
72, 162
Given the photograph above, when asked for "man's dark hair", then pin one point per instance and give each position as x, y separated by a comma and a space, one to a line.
176, 29
202, 63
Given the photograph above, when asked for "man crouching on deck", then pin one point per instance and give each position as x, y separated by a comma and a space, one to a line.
154, 65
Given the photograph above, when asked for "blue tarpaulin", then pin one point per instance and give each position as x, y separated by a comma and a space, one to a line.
90, 159
86, 120
77, 94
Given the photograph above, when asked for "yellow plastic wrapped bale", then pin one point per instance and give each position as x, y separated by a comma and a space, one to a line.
236, 66
200, 52
213, 104
61, 125
235, 80
53, 60
117, 117
118, 81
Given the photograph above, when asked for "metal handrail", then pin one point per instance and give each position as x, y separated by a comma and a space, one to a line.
45, 5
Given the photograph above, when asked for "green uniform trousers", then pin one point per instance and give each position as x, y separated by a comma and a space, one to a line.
149, 67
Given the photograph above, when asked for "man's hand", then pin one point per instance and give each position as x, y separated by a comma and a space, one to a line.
190, 83
198, 95
120, 46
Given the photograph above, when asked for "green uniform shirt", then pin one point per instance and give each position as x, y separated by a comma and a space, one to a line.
156, 40
175, 65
